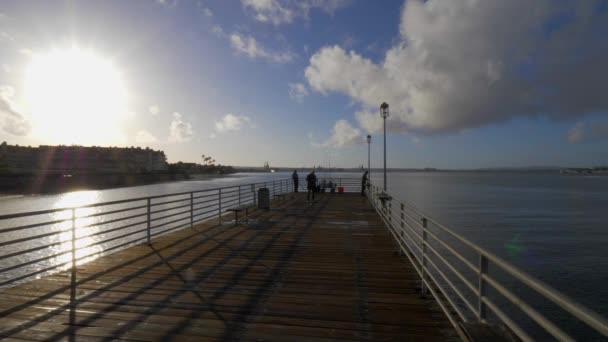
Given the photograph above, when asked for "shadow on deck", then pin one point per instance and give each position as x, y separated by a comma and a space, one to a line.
327, 271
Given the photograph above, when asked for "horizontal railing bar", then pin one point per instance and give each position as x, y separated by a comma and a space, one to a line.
455, 289
130, 242
531, 312
205, 196
39, 236
517, 330
117, 237
113, 229
206, 206
31, 262
203, 219
167, 223
34, 225
213, 211
167, 231
399, 240
103, 223
108, 249
458, 274
25, 276
169, 202
586, 315
453, 251
10, 255
50, 211
204, 202
32, 213
444, 308
230, 201
169, 209
413, 231
170, 215
113, 212
224, 192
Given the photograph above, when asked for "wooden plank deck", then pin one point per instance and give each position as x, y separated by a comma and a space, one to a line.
322, 272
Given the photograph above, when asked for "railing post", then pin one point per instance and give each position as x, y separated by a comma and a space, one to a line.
401, 225
390, 212
149, 221
73, 271
481, 288
274, 187
239, 195
73, 244
191, 209
424, 243
219, 205
255, 200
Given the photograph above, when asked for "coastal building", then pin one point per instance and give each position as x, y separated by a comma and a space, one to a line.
15, 159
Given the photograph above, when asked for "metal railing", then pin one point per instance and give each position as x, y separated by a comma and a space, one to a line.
457, 274
33, 244
349, 184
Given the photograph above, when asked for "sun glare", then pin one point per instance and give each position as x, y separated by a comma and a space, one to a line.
75, 97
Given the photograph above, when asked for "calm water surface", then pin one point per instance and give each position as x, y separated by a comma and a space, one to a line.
551, 225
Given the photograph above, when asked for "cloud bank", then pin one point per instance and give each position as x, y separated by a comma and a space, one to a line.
280, 12
343, 135
250, 47
588, 132
179, 130
297, 92
13, 122
231, 122
461, 64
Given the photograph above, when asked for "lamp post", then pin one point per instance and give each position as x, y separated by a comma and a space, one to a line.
384, 115
369, 141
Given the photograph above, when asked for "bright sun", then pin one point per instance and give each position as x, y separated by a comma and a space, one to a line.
75, 97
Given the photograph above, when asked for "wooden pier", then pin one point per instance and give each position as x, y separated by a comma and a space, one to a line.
298, 272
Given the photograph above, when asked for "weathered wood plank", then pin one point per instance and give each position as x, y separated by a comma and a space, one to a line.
301, 273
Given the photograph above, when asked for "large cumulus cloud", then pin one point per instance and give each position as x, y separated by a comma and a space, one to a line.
466, 63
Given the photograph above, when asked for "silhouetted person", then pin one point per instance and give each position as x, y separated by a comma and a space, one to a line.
311, 181
364, 183
296, 180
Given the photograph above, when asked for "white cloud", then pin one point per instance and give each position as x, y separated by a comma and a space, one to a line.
168, 3
250, 47
462, 64
145, 137
179, 130
280, 12
297, 91
154, 110
231, 122
343, 135
218, 31
13, 121
588, 132
208, 12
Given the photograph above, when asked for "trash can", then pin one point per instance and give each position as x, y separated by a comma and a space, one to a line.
340, 189
263, 198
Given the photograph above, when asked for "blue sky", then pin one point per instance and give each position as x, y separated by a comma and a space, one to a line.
469, 84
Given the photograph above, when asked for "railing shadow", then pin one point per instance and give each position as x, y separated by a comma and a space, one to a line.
191, 244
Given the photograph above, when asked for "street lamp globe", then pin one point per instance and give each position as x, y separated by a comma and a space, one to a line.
369, 138
384, 110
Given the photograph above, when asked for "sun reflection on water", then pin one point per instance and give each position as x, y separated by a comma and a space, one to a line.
85, 244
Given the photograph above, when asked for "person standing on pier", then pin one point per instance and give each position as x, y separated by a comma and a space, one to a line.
364, 181
311, 181
295, 179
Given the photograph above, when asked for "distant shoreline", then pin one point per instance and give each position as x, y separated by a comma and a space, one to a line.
56, 183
